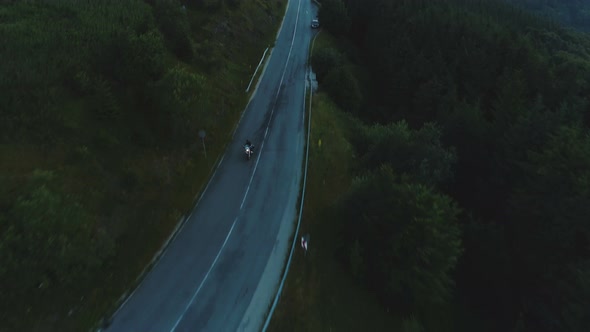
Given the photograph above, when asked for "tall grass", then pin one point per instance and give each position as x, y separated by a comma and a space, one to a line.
108, 97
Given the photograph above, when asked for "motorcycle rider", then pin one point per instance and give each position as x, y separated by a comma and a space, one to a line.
249, 144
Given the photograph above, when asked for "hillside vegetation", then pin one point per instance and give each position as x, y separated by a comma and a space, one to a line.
574, 13
468, 209
101, 103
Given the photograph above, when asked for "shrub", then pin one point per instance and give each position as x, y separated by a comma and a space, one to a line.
324, 60
173, 22
48, 240
344, 89
179, 95
408, 236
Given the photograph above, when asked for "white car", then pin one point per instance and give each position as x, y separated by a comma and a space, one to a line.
315, 23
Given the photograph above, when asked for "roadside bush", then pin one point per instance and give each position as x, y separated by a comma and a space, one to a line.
211, 4
104, 103
418, 154
324, 60
208, 55
234, 3
344, 89
130, 58
412, 324
61, 48
408, 236
180, 93
334, 16
48, 240
173, 22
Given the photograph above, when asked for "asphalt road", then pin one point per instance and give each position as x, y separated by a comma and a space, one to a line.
221, 271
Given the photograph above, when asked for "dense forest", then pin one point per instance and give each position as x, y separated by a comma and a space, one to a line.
100, 106
472, 153
574, 13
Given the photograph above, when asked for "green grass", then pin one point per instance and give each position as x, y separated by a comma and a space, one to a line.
192, 170
139, 193
319, 295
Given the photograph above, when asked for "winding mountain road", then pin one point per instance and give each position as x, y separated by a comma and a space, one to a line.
221, 271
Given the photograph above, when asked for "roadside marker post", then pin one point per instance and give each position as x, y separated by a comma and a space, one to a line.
305, 243
202, 136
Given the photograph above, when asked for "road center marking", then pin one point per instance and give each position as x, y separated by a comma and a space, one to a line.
250, 182
206, 276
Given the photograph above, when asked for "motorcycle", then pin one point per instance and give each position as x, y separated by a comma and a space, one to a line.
249, 150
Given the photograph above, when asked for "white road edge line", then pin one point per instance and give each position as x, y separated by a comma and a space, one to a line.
206, 276
164, 249
286, 272
255, 71
251, 177
272, 111
158, 256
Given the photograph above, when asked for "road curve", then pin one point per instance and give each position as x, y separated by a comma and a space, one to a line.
221, 271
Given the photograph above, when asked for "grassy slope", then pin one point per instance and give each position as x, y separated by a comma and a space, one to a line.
319, 294
240, 44
165, 183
